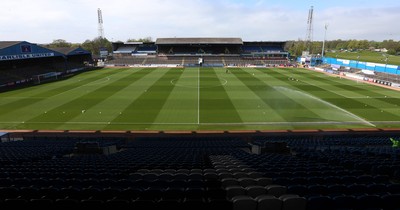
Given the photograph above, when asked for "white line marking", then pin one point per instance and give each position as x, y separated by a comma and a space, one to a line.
280, 88
220, 123
198, 96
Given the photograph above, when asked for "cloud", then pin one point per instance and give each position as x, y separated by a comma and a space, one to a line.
360, 23
43, 21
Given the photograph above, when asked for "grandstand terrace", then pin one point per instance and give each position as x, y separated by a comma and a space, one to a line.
215, 52
248, 171
22, 62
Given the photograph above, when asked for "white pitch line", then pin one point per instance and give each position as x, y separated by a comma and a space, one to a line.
221, 123
198, 96
326, 103
352, 97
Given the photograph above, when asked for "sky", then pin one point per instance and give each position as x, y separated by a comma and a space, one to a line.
43, 21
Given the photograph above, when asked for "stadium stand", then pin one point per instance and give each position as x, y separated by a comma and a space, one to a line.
24, 63
216, 52
276, 170
189, 172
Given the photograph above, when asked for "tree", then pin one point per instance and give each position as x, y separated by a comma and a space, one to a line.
296, 48
146, 39
316, 47
94, 45
59, 43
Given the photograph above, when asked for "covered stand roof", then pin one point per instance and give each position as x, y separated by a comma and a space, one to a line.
16, 50
5, 44
70, 50
195, 41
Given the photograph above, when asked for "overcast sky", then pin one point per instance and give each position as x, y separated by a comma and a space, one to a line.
42, 21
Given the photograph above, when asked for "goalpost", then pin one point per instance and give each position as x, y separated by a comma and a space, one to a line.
51, 76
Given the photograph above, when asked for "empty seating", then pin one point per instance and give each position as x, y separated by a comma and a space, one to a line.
293, 202
193, 173
269, 202
320, 202
255, 191
276, 190
244, 202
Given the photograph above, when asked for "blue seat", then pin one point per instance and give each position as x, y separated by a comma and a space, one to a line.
357, 189
142, 204
169, 204
244, 202
365, 179
15, 203
66, 203
344, 202
369, 202
293, 202
336, 189
269, 202
117, 204
377, 189
318, 190
319, 202
391, 201
394, 188
301, 190
196, 204
254, 191
91, 203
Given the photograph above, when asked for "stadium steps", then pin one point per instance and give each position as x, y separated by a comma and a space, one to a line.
183, 61
144, 61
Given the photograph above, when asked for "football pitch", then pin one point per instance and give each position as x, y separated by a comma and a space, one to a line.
193, 99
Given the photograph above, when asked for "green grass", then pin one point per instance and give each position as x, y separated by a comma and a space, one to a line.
200, 99
367, 56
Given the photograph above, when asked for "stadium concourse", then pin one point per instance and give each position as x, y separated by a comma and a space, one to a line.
23, 63
192, 52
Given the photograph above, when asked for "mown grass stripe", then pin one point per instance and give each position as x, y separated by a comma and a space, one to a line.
250, 106
289, 109
109, 109
355, 106
215, 104
41, 90
146, 107
61, 87
181, 105
85, 102
373, 91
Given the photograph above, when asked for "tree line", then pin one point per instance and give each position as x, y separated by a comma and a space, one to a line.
297, 47
93, 45
294, 47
